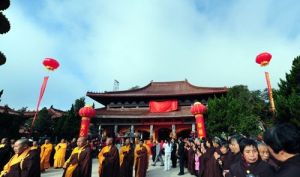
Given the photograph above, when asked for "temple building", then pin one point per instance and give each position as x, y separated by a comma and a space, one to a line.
156, 110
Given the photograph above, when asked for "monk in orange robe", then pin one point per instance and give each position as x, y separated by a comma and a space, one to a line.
46, 150
126, 159
25, 162
109, 163
60, 153
6, 152
80, 162
141, 159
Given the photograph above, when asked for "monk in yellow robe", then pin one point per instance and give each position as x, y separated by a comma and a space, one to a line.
141, 159
126, 159
80, 162
6, 152
25, 162
60, 153
46, 150
109, 162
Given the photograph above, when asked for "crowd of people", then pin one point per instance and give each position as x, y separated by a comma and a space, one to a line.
275, 155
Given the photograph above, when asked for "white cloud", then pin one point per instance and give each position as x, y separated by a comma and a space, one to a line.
138, 41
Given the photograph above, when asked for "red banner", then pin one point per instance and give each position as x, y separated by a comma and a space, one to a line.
40, 99
201, 132
84, 127
163, 106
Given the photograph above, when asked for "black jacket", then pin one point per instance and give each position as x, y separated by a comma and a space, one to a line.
181, 150
290, 168
258, 169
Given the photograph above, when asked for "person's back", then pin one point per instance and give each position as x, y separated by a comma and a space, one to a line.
284, 145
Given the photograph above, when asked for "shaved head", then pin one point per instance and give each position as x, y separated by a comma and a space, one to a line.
3, 140
109, 141
20, 145
127, 141
81, 141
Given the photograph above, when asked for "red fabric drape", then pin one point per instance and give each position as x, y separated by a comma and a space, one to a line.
40, 99
163, 106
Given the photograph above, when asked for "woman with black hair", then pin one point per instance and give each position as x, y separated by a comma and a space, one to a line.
284, 145
251, 165
168, 150
174, 153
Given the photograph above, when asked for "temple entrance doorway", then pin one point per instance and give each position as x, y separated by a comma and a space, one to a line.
184, 133
164, 134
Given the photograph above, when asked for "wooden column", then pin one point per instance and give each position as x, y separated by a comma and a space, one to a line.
151, 130
116, 129
193, 127
173, 129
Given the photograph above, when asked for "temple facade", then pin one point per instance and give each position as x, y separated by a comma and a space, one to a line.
156, 110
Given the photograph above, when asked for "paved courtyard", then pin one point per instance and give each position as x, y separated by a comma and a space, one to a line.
156, 171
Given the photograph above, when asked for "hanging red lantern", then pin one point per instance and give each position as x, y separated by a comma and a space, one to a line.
87, 112
263, 59
198, 110
50, 64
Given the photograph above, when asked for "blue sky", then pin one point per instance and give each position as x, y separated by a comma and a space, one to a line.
208, 42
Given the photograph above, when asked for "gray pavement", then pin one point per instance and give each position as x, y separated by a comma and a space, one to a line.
153, 171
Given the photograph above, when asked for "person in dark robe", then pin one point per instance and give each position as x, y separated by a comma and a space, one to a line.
224, 157
6, 152
181, 156
70, 147
186, 153
141, 160
36, 147
108, 157
25, 162
191, 158
153, 150
79, 163
126, 159
283, 142
174, 153
235, 149
211, 166
251, 164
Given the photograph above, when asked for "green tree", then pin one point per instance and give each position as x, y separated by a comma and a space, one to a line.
44, 124
240, 111
287, 98
10, 124
292, 80
68, 125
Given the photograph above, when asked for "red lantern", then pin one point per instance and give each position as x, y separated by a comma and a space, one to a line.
263, 59
51, 64
86, 113
198, 110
